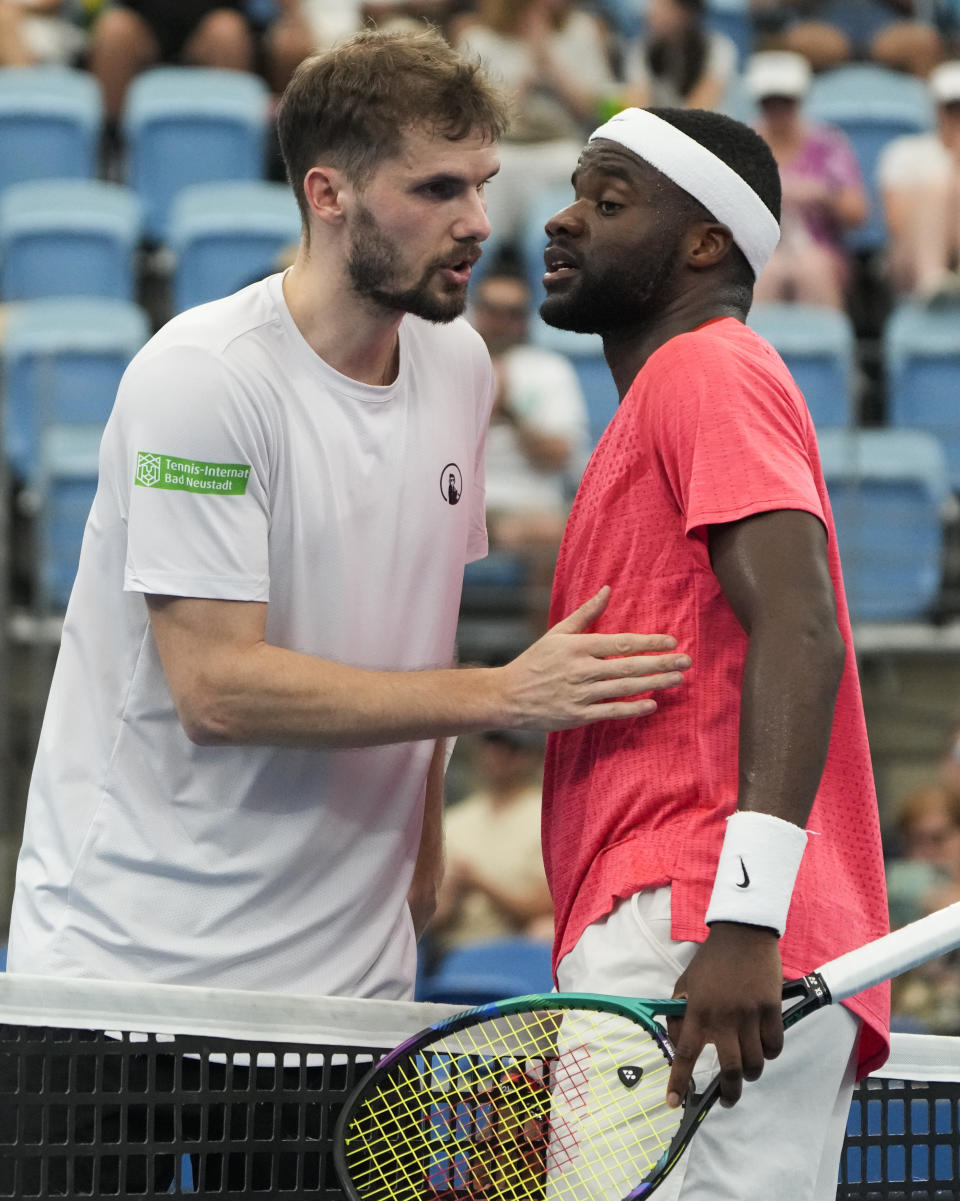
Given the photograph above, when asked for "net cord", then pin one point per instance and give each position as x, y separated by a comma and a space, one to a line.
227, 1013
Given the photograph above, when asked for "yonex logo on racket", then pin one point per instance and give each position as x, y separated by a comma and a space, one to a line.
630, 1075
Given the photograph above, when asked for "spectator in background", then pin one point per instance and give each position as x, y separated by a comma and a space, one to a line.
537, 443
924, 877
494, 884
919, 177
679, 62
892, 33
554, 59
925, 874
303, 27
132, 35
948, 773
37, 31
823, 194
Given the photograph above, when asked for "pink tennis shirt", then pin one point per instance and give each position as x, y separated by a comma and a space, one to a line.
713, 429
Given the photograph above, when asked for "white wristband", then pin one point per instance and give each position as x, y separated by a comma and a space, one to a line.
758, 866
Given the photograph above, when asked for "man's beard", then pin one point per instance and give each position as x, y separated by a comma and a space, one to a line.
625, 295
375, 261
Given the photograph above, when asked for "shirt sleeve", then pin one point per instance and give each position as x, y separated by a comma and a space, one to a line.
732, 433
912, 160
194, 469
546, 394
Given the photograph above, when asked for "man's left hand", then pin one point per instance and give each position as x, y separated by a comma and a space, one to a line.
733, 988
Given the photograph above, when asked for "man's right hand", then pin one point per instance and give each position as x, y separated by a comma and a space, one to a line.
572, 678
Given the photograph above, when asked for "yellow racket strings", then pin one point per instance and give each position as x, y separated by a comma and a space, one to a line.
565, 1104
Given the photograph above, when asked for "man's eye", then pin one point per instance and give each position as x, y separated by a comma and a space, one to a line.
608, 207
441, 190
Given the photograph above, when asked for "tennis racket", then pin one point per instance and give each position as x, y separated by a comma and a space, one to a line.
560, 1096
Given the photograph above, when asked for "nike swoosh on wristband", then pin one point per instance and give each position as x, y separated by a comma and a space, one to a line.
745, 882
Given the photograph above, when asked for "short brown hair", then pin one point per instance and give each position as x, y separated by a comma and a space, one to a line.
353, 103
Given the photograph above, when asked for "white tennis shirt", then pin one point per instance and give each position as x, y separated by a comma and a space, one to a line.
238, 465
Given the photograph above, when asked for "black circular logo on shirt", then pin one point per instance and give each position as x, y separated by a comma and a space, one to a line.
451, 483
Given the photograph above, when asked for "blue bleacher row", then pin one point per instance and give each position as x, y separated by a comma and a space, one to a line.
185, 126
195, 150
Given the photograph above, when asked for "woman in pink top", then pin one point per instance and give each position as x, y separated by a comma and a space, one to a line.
823, 194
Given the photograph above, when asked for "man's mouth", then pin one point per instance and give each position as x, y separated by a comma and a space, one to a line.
560, 264
460, 270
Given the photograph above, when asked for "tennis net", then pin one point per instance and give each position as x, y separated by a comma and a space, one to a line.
903, 1132
123, 1090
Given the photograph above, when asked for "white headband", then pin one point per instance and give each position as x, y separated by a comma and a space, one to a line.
698, 171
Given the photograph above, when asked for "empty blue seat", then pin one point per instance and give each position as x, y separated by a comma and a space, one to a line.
490, 971
68, 237
62, 363
50, 121
888, 491
921, 354
189, 125
585, 352
818, 345
226, 235
872, 105
64, 489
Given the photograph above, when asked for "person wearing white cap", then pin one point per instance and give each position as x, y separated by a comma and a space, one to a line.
919, 176
822, 189
678, 855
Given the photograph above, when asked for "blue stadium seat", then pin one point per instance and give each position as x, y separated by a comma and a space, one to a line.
50, 121
818, 345
626, 16
585, 352
189, 125
64, 489
888, 491
489, 971
872, 105
226, 235
734, 19
62, 362
921, 354
68, 237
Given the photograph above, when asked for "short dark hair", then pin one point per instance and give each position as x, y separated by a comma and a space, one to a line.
353, 103
742, 149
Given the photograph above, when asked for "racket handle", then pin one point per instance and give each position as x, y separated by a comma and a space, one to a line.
895, 953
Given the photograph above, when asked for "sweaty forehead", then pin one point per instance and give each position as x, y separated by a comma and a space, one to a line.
603, 157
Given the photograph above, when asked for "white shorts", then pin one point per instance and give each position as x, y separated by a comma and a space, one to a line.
784, 1137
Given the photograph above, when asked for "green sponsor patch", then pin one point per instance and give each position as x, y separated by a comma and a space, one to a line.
191, 475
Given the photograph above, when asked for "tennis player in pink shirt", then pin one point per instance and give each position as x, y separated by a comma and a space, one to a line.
732, 838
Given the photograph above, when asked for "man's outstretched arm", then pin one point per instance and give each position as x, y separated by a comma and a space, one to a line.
232, 687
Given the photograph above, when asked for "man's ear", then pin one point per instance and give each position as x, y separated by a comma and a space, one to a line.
324, 189
707, 243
